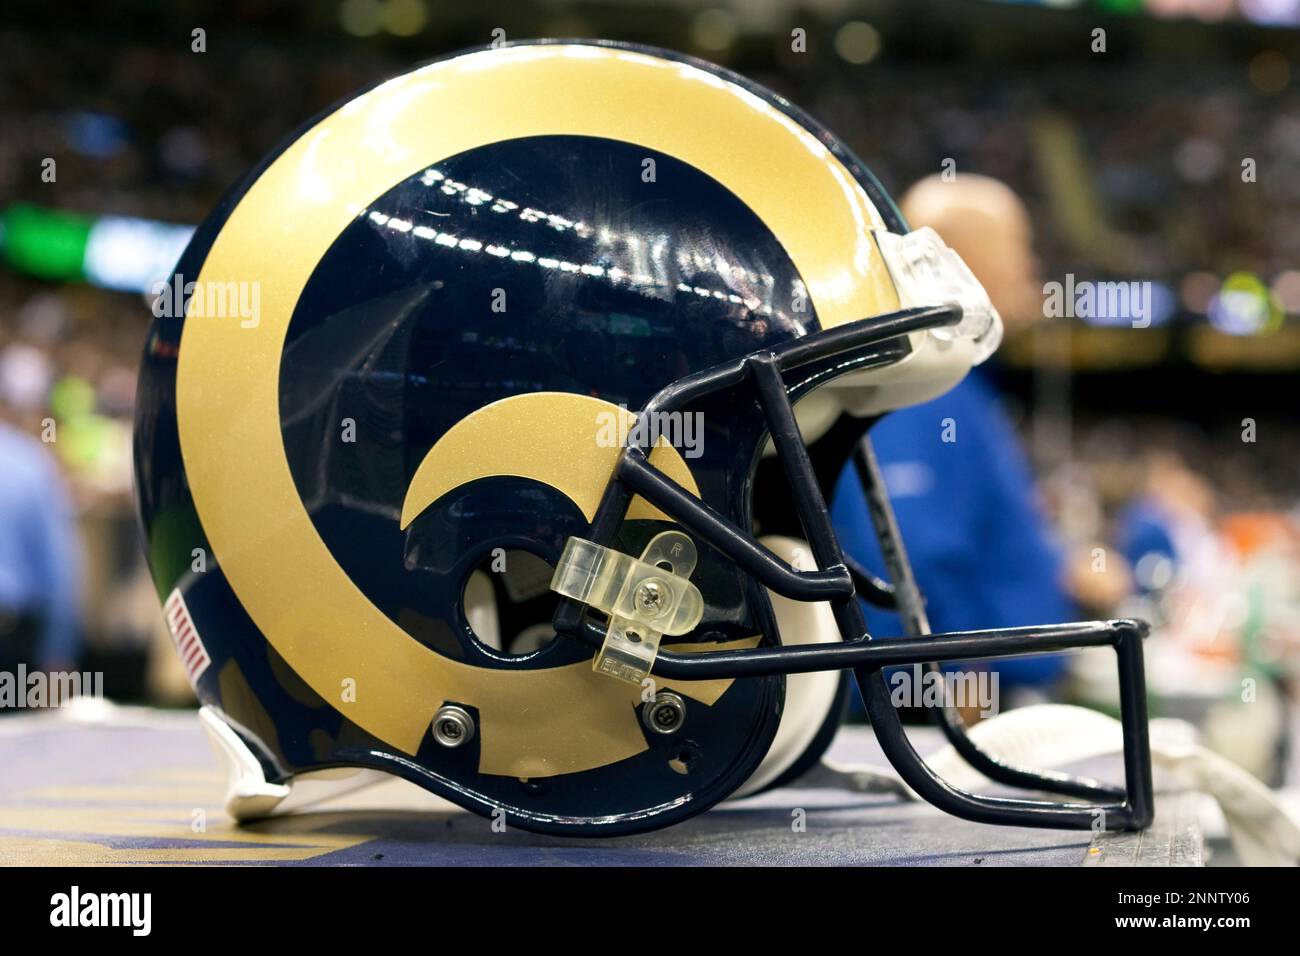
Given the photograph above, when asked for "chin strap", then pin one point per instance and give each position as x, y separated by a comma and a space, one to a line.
1262, 829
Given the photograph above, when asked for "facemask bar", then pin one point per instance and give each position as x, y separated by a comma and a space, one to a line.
840, 584
905, 598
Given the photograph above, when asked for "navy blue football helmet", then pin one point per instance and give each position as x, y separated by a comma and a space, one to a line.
446, 450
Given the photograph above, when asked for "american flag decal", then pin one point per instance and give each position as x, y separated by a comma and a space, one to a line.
194, 656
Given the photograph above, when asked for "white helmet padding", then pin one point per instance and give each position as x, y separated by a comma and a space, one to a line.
808, 697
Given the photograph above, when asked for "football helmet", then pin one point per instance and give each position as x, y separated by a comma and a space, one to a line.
446, 450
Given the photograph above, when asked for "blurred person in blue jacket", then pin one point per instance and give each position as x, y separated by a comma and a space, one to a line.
982, 550
1168, 531
40, 579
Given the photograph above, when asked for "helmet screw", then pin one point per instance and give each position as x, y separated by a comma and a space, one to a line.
453, 726
665, 714
649, 596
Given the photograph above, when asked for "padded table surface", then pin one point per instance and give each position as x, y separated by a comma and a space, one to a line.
142, 787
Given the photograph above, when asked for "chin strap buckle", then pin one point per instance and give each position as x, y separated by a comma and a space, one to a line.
645, 597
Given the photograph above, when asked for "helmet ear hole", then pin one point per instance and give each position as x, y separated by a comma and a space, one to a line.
509, 604
480, 602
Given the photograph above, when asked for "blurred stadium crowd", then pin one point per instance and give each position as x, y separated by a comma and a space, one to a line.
1131, 165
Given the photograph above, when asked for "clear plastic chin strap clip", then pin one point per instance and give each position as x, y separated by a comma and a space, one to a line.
645, 598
